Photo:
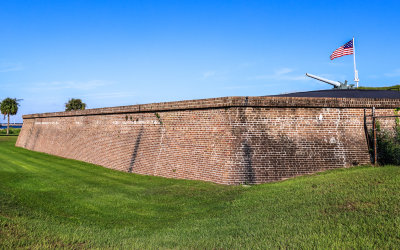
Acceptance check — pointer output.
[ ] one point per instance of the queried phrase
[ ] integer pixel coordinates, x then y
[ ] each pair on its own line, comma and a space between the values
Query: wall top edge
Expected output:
233, 101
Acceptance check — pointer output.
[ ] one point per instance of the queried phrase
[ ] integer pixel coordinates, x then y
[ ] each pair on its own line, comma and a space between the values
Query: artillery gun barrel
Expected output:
335, 84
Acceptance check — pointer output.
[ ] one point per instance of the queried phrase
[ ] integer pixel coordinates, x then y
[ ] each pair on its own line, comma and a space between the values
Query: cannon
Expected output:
335, 84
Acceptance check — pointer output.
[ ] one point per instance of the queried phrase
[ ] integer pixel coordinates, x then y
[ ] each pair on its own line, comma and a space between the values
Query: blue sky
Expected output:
112, 53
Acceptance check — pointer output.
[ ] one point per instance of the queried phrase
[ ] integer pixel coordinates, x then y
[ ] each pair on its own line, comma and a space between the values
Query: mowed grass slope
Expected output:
47, 202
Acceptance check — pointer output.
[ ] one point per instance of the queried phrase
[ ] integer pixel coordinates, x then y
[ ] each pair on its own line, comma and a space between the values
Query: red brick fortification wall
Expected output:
229, 140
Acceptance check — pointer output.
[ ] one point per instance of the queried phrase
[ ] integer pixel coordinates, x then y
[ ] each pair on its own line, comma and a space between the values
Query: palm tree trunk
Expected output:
8, 123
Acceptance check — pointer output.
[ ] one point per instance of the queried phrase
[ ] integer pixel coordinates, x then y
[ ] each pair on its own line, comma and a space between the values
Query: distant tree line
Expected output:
9, 106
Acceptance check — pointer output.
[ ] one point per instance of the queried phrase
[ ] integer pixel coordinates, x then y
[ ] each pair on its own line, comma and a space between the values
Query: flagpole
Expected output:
356, 80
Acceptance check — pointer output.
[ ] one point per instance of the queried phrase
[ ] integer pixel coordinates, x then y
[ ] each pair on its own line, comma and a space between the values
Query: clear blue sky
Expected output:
112, 53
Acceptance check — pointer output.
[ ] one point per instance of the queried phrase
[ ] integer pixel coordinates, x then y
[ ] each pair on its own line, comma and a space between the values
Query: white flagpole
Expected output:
356, 80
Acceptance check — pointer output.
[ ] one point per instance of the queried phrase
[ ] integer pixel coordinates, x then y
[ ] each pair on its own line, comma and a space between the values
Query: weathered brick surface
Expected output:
228, 140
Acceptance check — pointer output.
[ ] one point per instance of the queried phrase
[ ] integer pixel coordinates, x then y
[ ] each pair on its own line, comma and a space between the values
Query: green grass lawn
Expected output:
47, 202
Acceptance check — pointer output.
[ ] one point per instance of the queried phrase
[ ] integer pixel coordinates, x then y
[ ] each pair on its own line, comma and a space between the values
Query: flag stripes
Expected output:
346, 49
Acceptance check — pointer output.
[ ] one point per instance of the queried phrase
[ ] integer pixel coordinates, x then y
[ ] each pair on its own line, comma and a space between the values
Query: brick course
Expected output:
229, 140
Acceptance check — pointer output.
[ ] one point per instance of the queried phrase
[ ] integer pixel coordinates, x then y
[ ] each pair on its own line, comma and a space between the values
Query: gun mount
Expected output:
335, 84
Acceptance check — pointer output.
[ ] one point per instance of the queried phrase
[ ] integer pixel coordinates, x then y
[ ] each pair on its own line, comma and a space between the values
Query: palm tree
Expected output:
75, 104
9, 106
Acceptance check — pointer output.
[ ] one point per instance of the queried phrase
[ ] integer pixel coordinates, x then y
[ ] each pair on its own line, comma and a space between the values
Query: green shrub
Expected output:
388, 144
13, 131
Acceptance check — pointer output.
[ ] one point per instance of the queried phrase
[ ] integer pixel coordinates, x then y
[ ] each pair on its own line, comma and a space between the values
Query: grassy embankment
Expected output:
47, 202
394, 87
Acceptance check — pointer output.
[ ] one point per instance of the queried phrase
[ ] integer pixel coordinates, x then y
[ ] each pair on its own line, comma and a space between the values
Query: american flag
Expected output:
346, 49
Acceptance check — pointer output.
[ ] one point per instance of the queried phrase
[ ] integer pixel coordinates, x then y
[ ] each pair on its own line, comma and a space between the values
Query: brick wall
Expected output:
228, 140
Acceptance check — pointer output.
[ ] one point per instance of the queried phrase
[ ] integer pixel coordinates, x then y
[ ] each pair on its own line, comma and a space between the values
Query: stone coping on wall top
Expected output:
233, 101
